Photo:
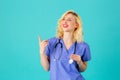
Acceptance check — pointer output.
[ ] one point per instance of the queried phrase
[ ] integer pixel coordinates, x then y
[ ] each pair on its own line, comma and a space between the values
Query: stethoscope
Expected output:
61, 46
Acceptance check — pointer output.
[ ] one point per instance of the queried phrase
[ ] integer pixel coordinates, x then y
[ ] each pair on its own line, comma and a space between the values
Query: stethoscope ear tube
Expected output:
59, 43
75, 48
71, 60
61, 46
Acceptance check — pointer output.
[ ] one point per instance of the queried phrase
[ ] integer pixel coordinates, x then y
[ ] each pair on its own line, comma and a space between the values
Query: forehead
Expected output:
69, 16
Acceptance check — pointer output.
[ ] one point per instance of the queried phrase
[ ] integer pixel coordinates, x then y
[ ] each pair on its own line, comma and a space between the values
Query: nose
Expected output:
65, 21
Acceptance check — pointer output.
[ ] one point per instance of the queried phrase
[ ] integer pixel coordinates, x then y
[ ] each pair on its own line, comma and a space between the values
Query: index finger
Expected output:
39, 39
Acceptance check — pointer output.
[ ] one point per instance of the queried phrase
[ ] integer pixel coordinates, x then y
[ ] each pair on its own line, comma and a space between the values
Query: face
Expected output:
68, 23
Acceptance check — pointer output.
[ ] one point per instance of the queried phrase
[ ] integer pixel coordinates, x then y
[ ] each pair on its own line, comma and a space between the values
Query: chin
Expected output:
66, 30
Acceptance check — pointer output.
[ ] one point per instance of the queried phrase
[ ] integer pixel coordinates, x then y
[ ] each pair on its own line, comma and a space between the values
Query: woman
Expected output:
66, 55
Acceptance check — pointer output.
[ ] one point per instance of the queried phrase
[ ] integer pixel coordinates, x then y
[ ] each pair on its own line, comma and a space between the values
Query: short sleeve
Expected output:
86, 55
50, 46
47, 50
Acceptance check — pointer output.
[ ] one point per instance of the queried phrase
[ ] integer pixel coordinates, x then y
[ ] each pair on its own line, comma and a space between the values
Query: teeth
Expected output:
65, 25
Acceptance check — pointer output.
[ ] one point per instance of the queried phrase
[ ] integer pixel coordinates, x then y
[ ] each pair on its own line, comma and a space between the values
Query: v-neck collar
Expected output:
67, 50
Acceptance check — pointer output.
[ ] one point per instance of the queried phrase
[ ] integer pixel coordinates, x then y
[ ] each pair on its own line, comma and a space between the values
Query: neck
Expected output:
68, 37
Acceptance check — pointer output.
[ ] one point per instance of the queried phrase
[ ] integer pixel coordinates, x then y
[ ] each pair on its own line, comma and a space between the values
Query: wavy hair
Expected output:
78, 33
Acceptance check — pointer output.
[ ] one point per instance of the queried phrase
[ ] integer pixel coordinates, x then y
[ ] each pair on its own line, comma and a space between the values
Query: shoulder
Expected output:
83, 44
52, 41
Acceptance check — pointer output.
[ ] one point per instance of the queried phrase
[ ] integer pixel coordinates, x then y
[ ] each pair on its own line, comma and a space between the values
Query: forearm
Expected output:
44, 61
82, 66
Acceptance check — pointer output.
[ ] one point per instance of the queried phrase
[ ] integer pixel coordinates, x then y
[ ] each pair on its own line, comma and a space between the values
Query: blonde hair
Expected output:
78, 34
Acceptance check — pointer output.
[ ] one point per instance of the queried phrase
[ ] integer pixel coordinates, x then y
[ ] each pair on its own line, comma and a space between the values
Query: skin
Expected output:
44, 59
71, 23
68, 24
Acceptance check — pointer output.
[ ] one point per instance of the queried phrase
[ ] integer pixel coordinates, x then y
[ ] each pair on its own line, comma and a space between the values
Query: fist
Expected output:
42, 45
76, 57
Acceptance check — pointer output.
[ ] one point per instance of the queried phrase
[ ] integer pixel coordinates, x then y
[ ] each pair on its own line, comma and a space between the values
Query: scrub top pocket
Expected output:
69, 67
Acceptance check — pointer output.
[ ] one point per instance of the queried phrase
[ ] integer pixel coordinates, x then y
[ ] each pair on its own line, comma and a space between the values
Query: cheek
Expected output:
72, 24
62, 22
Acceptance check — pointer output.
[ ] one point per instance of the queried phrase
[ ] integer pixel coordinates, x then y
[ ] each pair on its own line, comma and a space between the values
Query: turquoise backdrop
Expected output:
21, 21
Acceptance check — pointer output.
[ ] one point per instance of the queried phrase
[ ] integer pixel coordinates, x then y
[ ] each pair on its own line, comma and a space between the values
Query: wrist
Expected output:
42, 51
80, 63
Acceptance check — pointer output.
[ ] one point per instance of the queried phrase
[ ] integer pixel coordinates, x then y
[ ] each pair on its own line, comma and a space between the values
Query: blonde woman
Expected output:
67, 54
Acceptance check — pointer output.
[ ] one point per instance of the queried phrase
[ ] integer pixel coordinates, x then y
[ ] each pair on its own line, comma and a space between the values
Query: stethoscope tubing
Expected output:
61, 46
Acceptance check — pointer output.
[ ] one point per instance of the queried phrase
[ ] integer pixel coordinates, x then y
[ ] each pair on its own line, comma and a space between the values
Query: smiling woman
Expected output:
22, 20
66, 54
70, 18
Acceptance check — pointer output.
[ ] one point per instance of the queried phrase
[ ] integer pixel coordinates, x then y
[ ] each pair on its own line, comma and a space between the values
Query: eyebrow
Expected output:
68, 18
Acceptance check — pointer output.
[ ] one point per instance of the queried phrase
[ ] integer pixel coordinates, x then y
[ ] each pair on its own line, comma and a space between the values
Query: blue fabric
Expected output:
61, 69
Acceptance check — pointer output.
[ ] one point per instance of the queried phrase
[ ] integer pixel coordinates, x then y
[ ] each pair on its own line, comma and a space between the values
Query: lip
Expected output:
65, 25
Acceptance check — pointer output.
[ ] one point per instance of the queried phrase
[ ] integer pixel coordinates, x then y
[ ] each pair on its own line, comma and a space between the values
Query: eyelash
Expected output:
67, 19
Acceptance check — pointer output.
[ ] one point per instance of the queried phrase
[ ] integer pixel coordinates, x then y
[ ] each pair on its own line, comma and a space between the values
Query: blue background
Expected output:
21, 21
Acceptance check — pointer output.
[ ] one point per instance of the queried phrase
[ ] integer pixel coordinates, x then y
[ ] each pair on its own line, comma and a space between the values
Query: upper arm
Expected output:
86, 53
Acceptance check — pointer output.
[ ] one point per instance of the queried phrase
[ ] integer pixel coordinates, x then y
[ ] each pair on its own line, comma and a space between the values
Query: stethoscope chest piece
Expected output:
70, 61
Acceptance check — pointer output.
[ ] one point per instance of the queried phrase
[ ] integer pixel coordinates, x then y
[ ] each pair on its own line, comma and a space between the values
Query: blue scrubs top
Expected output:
61, 69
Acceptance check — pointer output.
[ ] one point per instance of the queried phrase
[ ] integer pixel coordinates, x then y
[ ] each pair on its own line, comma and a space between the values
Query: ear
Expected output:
76, 25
